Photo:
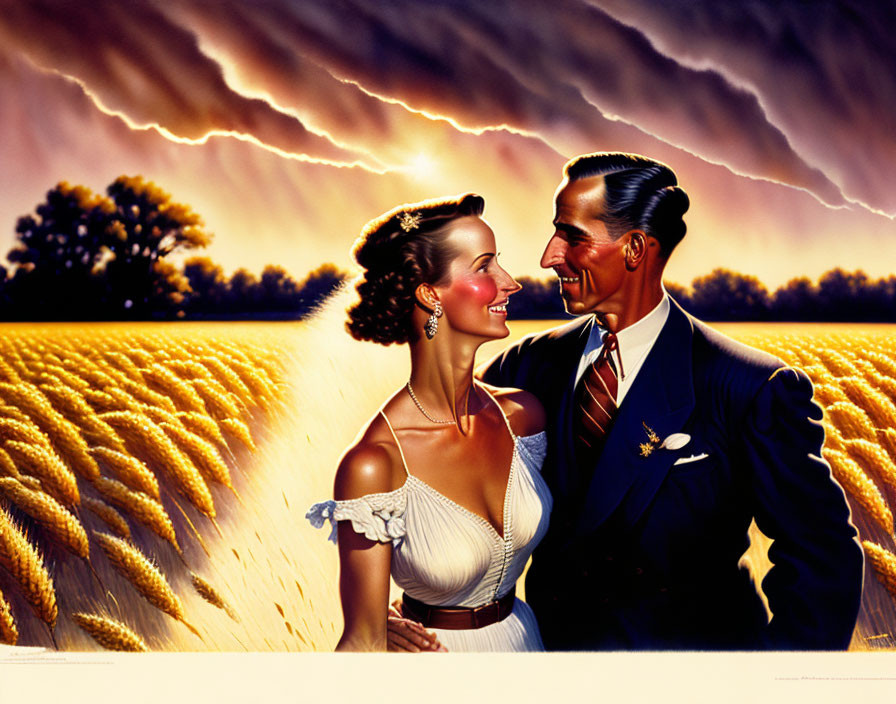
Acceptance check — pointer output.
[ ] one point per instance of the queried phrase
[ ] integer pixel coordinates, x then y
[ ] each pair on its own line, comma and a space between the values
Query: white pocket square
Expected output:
692, 458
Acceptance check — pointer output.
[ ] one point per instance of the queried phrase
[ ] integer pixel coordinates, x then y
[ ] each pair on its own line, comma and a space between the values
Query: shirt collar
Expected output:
637, 338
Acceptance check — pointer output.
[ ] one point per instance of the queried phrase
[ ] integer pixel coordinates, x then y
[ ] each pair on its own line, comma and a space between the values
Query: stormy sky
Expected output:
289, 124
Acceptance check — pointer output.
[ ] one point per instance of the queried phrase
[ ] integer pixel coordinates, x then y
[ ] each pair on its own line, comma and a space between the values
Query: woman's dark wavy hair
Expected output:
640, 194
397, 258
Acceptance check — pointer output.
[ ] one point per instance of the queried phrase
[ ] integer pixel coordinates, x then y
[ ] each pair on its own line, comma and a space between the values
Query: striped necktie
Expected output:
596, 403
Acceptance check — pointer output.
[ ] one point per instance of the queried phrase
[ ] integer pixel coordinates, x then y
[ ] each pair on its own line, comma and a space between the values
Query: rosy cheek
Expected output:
482, 289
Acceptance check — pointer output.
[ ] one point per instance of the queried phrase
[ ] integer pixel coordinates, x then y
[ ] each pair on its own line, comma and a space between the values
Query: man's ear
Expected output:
426, 297
635, 248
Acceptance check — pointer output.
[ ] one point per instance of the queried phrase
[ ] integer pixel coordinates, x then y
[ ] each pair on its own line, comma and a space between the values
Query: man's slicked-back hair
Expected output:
639, 194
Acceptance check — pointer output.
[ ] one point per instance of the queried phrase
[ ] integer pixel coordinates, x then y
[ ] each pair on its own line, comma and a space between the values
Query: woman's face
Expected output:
475, 299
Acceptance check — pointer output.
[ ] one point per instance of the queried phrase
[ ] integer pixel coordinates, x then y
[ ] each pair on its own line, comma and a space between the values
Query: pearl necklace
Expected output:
420, 406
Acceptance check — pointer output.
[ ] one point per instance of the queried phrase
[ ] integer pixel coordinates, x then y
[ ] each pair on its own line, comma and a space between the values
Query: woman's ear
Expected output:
426, 297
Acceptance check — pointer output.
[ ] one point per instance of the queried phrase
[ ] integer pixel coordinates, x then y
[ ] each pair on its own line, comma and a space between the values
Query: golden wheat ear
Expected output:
109, 633
211, 595
9, 634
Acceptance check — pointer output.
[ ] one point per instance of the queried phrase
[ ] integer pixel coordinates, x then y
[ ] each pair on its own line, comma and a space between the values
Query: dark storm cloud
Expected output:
824, 71
565, 70
137, 62
543, 67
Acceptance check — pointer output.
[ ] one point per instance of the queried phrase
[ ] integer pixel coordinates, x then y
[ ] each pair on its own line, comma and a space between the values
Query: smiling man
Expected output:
666, 439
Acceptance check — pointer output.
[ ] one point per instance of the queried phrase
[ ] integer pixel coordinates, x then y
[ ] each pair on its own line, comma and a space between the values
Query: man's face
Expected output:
589, 262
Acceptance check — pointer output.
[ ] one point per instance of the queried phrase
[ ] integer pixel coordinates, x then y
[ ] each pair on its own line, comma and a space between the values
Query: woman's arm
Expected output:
364, 564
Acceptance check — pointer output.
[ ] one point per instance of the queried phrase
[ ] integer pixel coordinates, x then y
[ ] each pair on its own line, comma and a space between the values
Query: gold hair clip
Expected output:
410, 221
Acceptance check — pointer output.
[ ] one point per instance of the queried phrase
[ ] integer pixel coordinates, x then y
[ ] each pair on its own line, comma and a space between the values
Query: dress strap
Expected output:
503, 414
398, 444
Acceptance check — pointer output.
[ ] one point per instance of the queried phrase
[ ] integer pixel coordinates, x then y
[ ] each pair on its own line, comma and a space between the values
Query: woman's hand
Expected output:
406, 636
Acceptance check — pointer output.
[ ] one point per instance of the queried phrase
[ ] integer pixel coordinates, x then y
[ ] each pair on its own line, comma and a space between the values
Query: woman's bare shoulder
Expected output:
523, 410
372, 465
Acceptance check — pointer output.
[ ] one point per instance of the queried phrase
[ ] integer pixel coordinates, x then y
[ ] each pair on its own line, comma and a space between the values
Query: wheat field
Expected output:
154, 477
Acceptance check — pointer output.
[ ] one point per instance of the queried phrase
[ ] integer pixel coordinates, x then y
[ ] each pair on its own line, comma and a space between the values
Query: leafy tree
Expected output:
319, 284
208, 287
59, 252
83, 255
727, 295
796, 300
148, 227
680, 293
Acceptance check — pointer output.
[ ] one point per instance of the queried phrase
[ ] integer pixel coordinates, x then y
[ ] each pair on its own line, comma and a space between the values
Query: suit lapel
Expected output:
662, 397
564, 467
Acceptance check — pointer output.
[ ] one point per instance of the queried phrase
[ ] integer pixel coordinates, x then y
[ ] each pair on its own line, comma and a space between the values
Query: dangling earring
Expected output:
432, 322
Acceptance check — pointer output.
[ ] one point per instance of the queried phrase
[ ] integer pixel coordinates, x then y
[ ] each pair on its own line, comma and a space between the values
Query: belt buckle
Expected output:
482, 613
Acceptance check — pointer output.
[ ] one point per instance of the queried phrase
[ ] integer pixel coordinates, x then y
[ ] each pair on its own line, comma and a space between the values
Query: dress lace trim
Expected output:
378, 517
535, 447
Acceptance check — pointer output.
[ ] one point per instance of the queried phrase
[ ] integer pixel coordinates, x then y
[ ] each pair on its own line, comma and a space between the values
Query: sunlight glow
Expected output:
422, 166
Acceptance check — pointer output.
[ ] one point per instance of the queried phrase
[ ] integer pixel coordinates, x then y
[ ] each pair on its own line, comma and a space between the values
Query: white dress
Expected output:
446, 555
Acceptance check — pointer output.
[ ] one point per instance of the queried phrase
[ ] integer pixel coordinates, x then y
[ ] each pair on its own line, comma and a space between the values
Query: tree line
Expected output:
88, 256
727, 296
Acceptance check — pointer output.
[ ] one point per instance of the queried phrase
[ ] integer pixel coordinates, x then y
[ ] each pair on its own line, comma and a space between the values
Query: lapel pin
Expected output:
653, 441
675, 441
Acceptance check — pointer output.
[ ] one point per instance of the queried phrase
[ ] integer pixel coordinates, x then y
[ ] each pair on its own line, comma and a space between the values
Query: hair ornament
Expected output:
410, 221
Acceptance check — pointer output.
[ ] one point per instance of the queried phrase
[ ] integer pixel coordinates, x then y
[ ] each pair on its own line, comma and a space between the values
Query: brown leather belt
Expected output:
458, 617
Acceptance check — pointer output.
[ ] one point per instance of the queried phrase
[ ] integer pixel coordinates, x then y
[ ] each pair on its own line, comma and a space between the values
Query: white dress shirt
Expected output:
635, 342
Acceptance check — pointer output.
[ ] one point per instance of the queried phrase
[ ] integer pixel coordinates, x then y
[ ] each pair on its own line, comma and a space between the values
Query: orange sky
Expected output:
289, 125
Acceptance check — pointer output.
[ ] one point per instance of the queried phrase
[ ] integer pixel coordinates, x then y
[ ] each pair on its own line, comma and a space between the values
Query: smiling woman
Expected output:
455, 533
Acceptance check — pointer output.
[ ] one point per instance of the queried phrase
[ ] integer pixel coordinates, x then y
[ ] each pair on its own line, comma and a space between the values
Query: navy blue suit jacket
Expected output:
644, 554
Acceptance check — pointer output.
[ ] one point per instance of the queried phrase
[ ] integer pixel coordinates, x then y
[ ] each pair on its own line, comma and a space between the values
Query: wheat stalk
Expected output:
128, 470
832, 437
141, 507
102, 402
828, 394
188, 369
201, 452
124, 364
9, 634
229, 379
884, 563
887, 437
882, 363
143, 437
211, 595
873, 458
864, 490
143, 575
8, 374
22, 431
240, 430
203, 426
179, 391
109, 516
61, 374
14, 413
46, 466
43, 508
879, 408
217, 401
24, 563
836, 362
146, 395
851, 421
109, 633
7, 466
62, 433
72, 405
